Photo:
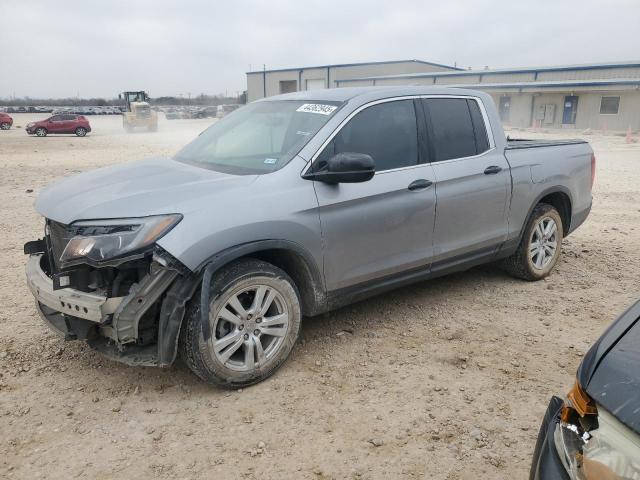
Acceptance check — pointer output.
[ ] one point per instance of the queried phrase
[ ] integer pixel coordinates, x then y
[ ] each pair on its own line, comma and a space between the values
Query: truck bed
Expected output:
516, 143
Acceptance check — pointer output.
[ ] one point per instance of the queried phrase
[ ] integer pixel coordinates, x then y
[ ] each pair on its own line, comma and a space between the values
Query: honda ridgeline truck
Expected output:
292, 206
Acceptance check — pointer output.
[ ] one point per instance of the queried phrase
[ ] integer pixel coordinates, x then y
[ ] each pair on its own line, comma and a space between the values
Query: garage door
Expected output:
315, 84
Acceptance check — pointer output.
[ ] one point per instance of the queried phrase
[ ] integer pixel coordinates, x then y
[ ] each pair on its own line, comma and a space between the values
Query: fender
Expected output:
510, 246
218, 260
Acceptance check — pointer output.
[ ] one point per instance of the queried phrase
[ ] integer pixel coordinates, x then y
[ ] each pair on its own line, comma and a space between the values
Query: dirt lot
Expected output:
447, 379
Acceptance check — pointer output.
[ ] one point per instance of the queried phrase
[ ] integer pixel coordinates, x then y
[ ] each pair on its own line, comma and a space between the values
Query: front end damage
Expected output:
128, 306
580, 440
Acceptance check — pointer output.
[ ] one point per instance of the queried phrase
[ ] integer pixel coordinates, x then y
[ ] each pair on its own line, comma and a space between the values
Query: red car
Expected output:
62, 123
5, 121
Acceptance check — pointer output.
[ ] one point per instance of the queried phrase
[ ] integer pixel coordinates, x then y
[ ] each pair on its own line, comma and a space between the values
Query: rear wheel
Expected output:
81, 131
254, 320
539, 248
41, 132
5, 126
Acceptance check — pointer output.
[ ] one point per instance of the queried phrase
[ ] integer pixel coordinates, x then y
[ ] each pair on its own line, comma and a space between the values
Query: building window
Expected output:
609, 105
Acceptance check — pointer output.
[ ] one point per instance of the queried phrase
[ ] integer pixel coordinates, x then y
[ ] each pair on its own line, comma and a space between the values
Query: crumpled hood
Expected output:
136, 189
610, 372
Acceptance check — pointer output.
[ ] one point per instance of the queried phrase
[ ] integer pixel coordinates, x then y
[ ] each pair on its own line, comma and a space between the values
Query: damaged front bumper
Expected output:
139, 328
85, 305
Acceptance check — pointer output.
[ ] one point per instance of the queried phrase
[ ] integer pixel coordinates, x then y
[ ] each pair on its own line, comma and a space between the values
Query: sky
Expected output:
97, 48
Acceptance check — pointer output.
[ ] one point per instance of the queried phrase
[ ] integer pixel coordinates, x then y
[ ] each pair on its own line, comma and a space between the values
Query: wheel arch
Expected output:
558, 197
293, 259
289, 256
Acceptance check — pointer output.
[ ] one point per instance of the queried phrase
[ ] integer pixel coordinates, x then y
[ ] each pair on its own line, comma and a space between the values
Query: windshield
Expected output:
258, 138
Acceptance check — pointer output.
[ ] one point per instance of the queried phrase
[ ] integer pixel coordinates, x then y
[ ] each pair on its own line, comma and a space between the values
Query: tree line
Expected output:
201, 99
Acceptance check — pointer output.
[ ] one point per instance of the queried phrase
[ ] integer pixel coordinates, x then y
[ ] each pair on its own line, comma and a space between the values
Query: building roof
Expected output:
552, 84
356, 65
554, 68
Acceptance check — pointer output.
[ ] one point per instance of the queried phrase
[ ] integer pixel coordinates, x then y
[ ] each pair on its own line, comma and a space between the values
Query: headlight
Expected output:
607, 451
29, 125
613, 451
100, 240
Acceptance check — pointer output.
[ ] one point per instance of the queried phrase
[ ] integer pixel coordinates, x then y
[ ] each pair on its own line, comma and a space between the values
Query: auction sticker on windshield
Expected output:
316, 108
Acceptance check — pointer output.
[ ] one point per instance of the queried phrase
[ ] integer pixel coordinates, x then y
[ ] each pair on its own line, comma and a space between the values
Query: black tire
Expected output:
41, 132
5, 126
81, 131
520, 264
228, 283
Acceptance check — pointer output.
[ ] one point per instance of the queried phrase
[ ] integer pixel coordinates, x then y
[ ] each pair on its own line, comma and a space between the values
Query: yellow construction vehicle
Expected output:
138, 113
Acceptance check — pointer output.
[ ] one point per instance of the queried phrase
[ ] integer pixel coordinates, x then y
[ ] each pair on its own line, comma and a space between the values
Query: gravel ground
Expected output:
446, 379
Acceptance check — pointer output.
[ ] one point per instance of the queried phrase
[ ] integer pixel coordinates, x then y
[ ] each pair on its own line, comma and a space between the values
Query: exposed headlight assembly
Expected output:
96, 241
609, 451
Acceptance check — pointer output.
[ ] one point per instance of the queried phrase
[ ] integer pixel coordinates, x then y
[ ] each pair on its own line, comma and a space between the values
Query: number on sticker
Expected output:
317, 108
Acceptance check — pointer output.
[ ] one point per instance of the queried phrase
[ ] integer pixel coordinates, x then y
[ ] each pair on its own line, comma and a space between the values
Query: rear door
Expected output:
68, 124
383, 226
473, 180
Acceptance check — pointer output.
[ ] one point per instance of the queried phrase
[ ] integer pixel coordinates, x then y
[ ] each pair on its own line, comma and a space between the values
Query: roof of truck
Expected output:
372, 93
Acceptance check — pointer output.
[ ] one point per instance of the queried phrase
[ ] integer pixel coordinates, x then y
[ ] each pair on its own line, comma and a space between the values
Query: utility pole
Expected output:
264, 80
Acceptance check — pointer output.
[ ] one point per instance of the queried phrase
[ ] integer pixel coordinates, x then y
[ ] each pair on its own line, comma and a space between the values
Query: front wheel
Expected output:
5, 126
254, 320
539, 248
81, 131
41, 132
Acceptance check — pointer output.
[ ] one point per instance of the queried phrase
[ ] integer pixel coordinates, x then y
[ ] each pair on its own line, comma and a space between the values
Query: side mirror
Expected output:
346, 167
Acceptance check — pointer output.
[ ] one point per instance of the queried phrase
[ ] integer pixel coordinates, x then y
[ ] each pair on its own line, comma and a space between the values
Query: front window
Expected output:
259, 138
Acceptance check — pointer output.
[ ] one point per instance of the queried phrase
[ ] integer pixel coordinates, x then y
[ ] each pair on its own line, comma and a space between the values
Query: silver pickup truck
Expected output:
295, 205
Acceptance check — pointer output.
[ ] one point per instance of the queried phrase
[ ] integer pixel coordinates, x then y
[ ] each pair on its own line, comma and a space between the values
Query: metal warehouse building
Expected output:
603, 96
265, 83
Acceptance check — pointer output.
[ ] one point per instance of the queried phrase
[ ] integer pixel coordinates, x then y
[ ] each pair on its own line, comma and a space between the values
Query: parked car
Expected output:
5, 121
206, 112
63, 123
172, 115
594, 433
295, 205
223, 110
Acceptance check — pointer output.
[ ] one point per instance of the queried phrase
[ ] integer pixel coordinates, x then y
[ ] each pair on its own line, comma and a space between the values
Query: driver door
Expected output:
383, 226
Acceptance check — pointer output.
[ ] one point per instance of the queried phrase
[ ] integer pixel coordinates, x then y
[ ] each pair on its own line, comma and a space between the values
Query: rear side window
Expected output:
453, 132
479, 128
386, 131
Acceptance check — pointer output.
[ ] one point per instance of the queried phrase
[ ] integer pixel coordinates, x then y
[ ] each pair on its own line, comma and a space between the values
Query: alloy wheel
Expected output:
544, 243
249, 328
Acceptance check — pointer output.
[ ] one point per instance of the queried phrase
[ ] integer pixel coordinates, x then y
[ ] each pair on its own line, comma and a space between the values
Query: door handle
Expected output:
420, 184
492, 170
